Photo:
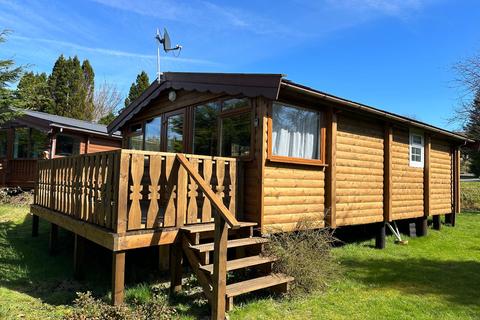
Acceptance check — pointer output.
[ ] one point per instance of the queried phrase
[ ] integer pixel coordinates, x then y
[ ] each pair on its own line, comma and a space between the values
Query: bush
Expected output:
15, 196
470, 196
305, 255
86, 307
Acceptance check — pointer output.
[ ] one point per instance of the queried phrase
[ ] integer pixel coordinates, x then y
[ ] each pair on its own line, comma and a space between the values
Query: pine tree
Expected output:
136, 89
89, 87
33, 92
9, 74
71, 88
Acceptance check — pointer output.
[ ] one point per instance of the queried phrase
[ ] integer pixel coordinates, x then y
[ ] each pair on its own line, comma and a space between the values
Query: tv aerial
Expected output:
167, 47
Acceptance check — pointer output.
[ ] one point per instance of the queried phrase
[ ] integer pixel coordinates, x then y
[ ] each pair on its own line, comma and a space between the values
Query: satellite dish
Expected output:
167, 46
166, 41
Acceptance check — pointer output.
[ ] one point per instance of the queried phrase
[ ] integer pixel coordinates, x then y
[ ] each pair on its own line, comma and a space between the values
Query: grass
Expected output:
471, 195
434, 277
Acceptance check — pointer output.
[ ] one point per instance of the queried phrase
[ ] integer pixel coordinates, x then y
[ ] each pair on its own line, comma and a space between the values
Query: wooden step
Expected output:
242, 287
230, 244
241, 263
206, 227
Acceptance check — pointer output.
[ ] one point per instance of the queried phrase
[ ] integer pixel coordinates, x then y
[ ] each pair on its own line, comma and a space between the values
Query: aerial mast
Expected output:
166, 44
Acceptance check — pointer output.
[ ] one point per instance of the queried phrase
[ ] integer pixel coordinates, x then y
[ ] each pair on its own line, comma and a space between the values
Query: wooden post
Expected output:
163, 257
456, 207
422, 226
387, 174
380, 238
53, 240
118, 277
175, 268
120, 225
330, 179
219, 279
78, 257
35, 221
437, 222
426, 177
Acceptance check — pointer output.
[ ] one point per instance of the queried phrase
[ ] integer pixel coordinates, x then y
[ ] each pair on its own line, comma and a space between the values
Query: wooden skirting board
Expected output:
103, 236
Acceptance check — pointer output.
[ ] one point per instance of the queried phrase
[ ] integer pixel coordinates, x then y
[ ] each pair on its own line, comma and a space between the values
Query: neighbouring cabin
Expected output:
213, 162
34, 135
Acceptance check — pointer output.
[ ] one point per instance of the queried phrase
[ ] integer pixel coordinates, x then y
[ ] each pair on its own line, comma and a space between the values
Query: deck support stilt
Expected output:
422, 226
380, 236
437, 222
53, 239
78, 257
35, 221
176, 255
118, 277
163, 257
450, 219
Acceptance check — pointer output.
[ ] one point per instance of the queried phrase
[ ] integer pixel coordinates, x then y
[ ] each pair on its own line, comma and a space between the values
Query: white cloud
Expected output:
110, 52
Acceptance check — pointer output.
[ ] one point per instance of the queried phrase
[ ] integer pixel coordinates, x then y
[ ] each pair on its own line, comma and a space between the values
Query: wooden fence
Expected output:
126, 190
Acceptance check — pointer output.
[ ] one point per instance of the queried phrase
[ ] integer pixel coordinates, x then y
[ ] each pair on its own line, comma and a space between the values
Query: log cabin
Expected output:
211, 163
32, 135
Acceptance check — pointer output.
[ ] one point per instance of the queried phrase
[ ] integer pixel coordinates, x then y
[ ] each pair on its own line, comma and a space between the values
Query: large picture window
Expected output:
153, 129
3, 143
29, 143
67, 145
135, 137
236, 135
205, 131
295, 133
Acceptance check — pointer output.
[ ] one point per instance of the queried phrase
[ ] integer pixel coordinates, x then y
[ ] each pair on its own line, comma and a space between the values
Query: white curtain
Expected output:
295, 132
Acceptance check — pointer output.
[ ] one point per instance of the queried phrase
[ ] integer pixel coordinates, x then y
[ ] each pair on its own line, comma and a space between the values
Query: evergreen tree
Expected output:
89, 86
70, 87
33, 92
107, 119
9, 74
137, 88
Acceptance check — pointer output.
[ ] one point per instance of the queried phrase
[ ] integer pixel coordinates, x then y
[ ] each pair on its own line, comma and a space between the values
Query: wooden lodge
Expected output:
34, 135
213, 162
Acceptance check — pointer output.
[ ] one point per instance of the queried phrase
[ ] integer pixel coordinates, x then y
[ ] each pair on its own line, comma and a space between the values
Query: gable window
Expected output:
3, 143
416, 150
135, 137
295, 134
67, 145
153, 129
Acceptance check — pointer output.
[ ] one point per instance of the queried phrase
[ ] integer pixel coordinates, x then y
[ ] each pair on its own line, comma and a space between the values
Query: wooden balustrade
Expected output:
125, 190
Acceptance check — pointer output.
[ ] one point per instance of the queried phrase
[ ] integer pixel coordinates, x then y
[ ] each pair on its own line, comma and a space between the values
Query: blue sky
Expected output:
396, 55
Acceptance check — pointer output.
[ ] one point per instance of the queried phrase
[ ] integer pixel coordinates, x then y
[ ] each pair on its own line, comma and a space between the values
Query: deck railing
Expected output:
125, 190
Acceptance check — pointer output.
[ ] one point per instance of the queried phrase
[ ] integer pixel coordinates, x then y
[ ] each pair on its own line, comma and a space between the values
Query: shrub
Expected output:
86, 307
470, 196
305, 255
15, 196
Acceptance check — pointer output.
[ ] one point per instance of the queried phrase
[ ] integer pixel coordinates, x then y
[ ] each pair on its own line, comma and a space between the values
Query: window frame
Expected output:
29, 144
421, 146
294, 160
135, 134
75, 138
5, 131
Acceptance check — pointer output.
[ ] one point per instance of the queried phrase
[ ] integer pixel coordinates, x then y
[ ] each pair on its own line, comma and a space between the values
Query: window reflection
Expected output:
175, 133
205, 139
152, 134
29, 143
235, 103
67, 145
3, 143
236, 133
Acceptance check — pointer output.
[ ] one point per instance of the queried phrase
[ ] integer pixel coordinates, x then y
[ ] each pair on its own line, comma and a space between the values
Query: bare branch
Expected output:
106, 100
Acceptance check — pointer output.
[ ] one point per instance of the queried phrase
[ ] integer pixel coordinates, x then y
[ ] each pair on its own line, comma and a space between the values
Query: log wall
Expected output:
407, 181
359, 171
293, 194
441, 178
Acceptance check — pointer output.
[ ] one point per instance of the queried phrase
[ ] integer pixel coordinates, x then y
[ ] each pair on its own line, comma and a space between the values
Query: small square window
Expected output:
416, 150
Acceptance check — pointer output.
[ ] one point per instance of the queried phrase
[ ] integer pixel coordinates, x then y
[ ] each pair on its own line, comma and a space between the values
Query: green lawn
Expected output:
435, 277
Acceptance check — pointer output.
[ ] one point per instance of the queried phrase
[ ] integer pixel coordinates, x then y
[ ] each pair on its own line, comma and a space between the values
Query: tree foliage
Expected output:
106, 101
9, 74
468, 78
136, 89
33, 92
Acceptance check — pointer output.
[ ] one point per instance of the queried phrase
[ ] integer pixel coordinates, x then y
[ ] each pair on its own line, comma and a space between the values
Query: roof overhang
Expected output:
249, 85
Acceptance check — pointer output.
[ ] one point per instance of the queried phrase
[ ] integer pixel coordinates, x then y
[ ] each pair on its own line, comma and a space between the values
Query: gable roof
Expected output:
254, 85
46, 121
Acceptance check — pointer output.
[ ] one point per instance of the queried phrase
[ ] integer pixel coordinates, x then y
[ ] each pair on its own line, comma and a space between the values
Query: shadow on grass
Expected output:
455, 281
26, 266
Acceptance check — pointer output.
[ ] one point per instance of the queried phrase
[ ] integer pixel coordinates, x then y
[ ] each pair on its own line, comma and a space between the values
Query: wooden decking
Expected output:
128, 199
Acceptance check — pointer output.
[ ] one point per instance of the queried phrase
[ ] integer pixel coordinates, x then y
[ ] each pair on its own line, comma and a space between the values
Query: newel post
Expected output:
219, 269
